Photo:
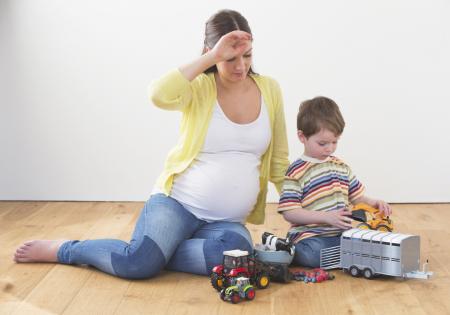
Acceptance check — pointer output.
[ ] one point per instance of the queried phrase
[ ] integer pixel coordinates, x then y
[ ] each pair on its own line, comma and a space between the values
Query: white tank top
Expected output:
222, 183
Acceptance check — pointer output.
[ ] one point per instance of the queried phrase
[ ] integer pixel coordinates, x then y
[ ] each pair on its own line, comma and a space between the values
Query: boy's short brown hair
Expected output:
317, 113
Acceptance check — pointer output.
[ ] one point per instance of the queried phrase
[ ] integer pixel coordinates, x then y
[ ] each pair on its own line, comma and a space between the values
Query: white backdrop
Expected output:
75, 122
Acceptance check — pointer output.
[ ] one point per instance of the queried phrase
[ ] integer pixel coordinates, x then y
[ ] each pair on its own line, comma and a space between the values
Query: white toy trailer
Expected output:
370, 253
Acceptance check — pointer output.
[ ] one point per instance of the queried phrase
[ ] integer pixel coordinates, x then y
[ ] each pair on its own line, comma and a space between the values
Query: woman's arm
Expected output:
173, 90
191, 70
170, 92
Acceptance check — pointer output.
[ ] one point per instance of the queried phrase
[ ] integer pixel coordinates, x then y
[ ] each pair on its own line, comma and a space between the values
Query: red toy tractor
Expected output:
238, 263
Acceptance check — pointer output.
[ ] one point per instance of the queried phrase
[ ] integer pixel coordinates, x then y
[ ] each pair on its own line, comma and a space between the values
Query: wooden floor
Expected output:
60, 289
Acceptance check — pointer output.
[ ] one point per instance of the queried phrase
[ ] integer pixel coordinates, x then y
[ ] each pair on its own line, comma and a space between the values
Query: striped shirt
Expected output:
316, 185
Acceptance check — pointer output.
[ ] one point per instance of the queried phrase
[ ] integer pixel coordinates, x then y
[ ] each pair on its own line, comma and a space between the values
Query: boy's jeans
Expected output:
166, 236
307, 251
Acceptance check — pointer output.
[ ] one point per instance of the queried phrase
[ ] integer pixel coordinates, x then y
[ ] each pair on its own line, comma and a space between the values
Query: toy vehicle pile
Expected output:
312, 276
238, 263
240, 272
370, 250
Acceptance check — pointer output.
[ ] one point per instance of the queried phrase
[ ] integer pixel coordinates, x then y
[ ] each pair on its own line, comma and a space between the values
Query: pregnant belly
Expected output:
226, 183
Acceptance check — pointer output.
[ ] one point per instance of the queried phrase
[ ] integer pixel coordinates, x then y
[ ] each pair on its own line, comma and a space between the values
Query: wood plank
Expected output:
23, 277
55, 224
70, 225
101, 294
55, 291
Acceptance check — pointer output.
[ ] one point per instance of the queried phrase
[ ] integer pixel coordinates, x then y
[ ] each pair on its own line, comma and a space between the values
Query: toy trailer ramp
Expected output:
330, 258
373, 252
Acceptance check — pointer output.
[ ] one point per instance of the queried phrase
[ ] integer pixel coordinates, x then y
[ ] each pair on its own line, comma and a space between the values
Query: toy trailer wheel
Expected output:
235, 298
262, 281
367, 273
216, 281
354, 271
250, 294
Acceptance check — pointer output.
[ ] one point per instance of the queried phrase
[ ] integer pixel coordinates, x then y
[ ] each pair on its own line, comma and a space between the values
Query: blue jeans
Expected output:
307, 251
166, 236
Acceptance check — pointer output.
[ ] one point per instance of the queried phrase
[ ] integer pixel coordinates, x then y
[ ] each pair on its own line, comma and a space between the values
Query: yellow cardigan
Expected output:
196, 100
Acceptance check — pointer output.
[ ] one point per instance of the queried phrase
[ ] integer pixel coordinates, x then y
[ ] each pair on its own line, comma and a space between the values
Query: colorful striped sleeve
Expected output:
291, 195
356, 188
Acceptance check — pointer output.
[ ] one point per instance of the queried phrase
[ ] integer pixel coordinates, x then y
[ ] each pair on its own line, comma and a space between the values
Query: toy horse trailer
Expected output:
370, 253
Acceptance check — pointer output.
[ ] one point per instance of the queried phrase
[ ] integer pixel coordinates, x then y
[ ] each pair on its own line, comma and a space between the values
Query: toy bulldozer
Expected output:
371, 218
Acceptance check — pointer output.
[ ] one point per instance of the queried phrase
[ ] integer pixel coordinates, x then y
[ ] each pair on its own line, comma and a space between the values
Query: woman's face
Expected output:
235, 69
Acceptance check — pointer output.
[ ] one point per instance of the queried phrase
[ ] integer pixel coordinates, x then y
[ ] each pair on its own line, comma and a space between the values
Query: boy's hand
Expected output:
339, 218
383, 206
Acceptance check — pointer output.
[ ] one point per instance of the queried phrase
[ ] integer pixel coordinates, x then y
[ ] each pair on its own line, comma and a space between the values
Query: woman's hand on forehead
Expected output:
231, 45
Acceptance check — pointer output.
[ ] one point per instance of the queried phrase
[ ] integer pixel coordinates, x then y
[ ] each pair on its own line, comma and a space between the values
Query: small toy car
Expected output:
313, 276
240, 289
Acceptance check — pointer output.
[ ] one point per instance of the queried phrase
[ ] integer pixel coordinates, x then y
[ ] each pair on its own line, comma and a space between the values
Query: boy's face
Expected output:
320, 145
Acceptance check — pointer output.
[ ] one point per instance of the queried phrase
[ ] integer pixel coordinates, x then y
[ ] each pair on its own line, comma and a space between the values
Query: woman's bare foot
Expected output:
38, 251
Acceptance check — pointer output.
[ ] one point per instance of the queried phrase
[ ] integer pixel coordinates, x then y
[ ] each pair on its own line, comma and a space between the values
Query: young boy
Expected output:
319, 188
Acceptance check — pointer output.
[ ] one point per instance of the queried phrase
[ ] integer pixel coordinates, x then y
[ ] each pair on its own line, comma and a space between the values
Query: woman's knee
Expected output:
228, 240
228, 233
233, 240
146, 261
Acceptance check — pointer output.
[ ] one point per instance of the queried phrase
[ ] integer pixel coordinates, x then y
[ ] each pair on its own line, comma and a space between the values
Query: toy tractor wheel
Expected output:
222, 294
235, 298
367, 273
250, 294
262, 281
363, 226
216, 281
354, 271
383, 228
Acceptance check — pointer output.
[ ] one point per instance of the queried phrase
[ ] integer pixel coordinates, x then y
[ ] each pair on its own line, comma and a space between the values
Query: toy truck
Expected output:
239, 289
371, 218
238, 263
370, 253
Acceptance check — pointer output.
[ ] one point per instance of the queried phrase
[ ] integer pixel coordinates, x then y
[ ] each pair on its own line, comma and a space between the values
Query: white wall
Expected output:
75, 123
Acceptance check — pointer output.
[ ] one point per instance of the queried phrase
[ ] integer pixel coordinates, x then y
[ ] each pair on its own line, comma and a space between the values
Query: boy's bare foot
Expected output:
38, 251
